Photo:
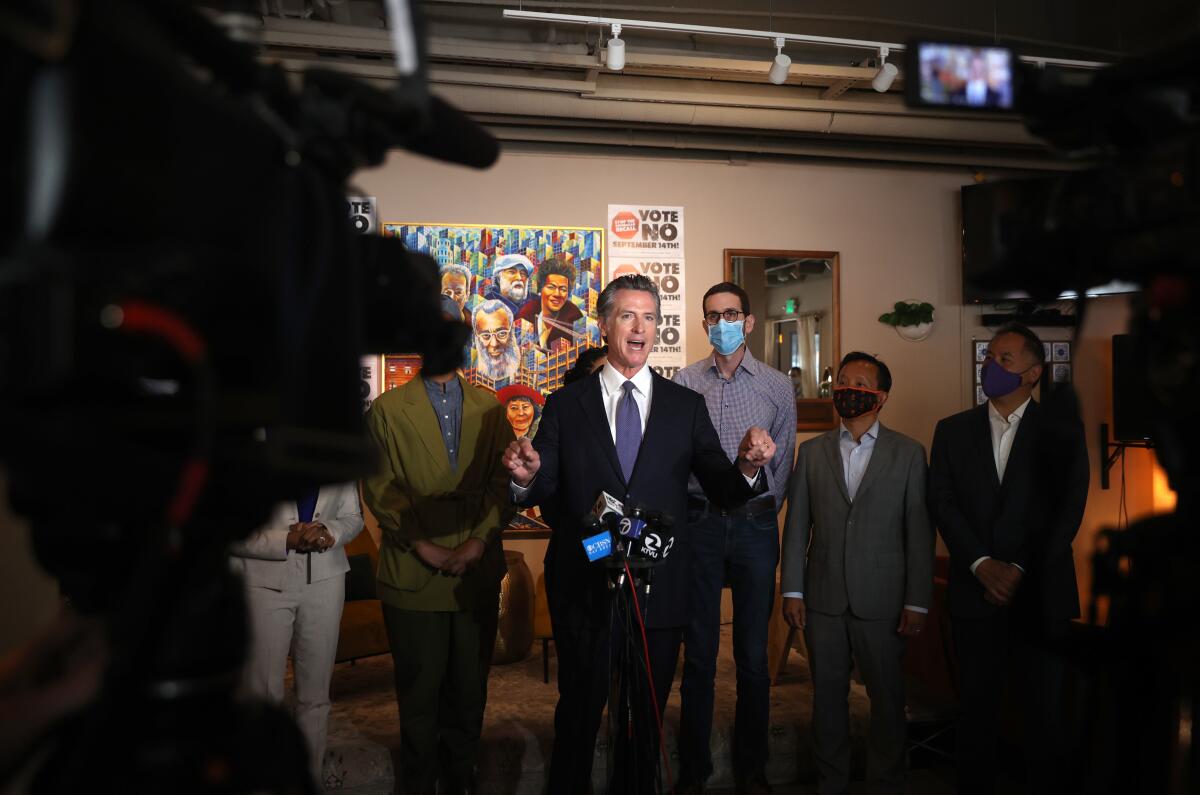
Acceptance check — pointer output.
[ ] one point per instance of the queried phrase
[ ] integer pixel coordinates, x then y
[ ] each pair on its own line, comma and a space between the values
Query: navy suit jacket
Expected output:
1030, 519
579, 460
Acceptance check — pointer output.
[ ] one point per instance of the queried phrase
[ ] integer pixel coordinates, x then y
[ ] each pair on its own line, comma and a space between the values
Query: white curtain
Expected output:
807, 336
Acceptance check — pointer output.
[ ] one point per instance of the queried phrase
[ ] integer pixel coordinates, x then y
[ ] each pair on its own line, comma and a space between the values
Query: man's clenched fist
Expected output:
522, 461
756, 449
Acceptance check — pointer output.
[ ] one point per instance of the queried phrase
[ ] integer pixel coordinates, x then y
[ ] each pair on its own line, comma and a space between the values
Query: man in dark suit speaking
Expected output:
1007, 487
629, 432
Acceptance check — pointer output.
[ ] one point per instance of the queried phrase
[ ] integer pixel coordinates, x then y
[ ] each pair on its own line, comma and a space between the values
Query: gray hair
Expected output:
608, 297
491, 307
458, 270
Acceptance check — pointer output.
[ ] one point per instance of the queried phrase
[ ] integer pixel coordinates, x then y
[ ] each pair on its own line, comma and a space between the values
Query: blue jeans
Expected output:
741, 551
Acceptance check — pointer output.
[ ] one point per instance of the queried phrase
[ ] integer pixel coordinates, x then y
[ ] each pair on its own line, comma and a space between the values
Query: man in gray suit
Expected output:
866, 580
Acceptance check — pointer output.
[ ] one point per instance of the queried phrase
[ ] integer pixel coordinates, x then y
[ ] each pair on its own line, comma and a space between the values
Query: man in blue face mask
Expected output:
1007, 487
740, 547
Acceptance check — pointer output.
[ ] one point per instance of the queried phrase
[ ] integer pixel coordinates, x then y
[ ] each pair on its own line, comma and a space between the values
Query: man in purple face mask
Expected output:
1007, 489
858, 572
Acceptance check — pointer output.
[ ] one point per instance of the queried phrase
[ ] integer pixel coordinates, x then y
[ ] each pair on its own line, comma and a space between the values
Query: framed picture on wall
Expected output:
1061, 373
978, 355
529, 294
399, 369
1060, 351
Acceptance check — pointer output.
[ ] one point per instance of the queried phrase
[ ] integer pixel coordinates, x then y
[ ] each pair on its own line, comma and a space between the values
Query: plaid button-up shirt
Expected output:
757, 395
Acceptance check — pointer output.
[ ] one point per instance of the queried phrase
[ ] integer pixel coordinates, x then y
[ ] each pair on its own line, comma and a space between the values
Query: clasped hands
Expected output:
999, 580
454, 562
309, 537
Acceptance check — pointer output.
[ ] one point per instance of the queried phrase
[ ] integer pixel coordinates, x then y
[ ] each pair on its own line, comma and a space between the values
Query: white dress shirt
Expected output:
1004, 430
856, 456
611, 393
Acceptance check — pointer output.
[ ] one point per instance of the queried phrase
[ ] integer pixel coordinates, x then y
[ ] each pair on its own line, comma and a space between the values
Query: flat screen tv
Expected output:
1005, 222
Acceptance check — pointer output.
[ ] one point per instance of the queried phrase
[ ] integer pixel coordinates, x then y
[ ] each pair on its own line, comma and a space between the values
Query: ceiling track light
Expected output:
780, 66
615, 53
886, 75
743, 33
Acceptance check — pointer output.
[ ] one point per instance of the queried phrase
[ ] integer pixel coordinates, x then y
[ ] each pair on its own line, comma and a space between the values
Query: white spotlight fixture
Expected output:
886, 75
615, 59
780, 66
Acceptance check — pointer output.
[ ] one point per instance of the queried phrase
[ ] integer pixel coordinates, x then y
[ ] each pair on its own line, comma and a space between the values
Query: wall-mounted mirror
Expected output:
794, 295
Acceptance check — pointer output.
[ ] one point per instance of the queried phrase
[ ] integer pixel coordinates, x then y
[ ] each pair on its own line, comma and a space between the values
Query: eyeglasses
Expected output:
501, 335
730, 315
561, 289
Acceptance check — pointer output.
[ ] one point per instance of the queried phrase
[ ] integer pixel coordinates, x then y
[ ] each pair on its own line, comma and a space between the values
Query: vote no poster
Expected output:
648, 240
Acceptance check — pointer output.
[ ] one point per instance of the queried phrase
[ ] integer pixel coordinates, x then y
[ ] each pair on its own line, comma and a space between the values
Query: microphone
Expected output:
607, 504
656, 540
633, 525
654, 546
597, 541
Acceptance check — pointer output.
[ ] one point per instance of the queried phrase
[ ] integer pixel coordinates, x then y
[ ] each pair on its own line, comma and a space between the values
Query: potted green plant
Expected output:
913, 320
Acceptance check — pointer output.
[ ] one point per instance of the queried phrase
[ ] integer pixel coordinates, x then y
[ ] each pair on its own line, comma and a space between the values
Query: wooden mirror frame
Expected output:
812, 414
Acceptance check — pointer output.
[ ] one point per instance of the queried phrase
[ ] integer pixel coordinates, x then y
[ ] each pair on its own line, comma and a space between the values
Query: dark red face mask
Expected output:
853, 401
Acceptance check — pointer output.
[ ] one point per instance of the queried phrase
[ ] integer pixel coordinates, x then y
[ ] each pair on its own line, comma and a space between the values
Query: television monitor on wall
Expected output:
1005, 221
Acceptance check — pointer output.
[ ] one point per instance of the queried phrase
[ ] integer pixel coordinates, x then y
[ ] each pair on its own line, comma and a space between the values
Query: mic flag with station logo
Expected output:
605, 518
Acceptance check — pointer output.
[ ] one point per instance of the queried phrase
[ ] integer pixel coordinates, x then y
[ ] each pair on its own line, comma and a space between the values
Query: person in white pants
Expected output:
294, 569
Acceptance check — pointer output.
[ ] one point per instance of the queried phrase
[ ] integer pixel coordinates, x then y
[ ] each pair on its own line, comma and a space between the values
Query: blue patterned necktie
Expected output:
629, 430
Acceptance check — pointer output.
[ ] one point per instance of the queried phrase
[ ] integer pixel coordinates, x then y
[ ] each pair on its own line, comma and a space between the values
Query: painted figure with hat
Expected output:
523, 408
510, 281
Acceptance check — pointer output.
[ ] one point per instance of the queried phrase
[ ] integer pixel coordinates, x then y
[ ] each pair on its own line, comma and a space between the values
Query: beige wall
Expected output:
897, 230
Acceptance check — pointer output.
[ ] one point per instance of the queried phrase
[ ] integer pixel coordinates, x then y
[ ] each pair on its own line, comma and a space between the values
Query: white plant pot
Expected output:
914, 333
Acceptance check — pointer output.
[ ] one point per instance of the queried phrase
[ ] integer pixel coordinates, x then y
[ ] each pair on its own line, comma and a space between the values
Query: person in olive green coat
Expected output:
441, 498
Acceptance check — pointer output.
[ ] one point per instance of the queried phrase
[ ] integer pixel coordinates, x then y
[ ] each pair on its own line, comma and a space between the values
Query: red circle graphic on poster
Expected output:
624, 269
624, 225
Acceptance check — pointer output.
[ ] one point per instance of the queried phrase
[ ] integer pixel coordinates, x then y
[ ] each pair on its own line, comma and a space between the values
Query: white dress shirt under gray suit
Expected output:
859, 558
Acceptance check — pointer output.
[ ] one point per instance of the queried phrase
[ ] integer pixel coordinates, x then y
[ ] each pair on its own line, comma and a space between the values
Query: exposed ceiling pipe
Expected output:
741, 148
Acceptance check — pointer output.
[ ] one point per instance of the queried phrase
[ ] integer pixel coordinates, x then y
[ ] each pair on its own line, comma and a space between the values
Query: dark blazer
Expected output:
579, 460
873, 555
1030, 519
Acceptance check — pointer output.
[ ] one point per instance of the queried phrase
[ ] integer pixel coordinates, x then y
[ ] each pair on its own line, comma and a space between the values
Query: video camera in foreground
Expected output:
184, 305
1127, 209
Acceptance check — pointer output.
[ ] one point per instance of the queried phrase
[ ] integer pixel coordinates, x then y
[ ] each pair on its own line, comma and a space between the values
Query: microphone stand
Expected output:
633, 719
